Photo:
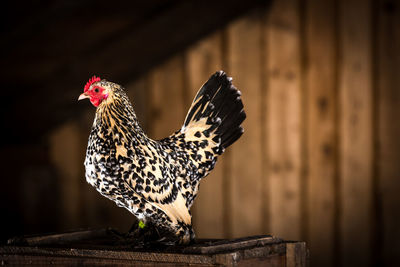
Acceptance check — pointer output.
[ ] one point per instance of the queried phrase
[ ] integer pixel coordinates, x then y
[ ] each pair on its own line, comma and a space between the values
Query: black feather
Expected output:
219, 101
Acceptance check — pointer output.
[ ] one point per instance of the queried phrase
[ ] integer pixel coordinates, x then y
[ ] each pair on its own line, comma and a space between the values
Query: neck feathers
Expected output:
117, 114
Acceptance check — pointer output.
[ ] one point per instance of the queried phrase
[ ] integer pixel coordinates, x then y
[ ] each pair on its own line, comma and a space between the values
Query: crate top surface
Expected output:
108, 247
111, 240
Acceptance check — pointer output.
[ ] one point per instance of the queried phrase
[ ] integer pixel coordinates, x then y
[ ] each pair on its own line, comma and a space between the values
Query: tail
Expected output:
217, 112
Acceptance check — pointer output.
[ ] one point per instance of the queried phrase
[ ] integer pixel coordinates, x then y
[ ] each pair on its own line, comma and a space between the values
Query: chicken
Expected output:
157, 181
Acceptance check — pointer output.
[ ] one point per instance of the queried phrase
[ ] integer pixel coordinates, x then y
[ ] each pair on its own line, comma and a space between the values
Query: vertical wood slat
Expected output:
355, 131
166, 93
284, 119
64, 146
320, 81
139, 97
243, 61
202, 61
388, 108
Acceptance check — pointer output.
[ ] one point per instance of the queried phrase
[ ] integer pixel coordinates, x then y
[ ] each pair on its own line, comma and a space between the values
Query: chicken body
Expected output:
157, 181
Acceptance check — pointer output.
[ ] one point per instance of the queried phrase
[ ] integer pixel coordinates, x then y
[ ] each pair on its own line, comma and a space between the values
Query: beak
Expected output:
83, 96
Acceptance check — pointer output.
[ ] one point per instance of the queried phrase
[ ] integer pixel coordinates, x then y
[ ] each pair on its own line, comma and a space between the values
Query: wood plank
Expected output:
225, 245
202, 60
246, 166
355, 131
20, 254
166, 93
34, 260
64, 146
296, 254
138, 94
284, 113
320, 84
388, 156
58, 239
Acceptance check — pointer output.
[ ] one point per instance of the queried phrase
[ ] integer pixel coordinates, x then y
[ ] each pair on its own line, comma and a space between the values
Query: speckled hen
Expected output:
157, 181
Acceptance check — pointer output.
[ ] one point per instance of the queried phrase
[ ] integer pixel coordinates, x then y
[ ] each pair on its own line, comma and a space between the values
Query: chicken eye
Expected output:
96, 90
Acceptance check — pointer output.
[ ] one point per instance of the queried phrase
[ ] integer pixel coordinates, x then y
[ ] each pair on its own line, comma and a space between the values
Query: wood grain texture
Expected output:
138, 93
320, 83
246, 165
65, 145
355, 132
296, 254
283, 119
89, 251
166, 98
202, 60
388, 103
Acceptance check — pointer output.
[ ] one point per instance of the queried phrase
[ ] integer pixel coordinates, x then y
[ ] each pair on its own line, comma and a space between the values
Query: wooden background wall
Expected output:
320, 157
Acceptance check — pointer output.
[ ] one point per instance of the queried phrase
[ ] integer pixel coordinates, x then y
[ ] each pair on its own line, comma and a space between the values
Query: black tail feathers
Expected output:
219, 101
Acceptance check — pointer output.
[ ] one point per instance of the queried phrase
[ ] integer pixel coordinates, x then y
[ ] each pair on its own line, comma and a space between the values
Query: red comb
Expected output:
91, 81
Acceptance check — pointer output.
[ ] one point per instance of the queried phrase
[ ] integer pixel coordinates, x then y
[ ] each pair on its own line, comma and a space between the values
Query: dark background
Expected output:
319, 160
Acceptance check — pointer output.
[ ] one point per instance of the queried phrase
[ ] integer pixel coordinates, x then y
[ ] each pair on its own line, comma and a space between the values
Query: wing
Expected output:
152, 177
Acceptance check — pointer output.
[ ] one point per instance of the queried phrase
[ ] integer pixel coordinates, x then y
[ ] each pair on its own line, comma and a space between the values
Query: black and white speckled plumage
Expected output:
159, 180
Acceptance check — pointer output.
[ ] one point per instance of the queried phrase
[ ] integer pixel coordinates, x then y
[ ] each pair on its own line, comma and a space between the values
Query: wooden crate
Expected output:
99, 248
